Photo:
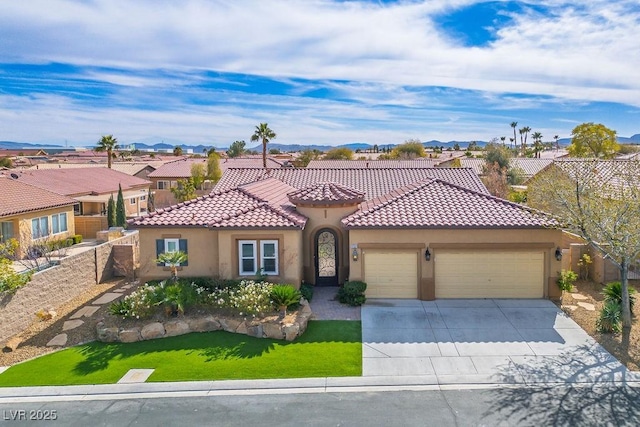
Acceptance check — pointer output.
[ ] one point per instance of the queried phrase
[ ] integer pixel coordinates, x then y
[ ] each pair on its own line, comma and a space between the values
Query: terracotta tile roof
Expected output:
372, 182
326, 193
372, 164
616, 173
530, 167
251, 206
18, 197
433, 203
130, 168
182, 168
80, 181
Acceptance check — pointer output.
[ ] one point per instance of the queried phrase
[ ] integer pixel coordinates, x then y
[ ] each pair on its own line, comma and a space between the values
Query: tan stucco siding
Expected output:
546, 240
289, 253
202, 251
22, 225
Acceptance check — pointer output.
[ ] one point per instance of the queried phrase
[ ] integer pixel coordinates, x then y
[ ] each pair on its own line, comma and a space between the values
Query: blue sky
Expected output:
318, 71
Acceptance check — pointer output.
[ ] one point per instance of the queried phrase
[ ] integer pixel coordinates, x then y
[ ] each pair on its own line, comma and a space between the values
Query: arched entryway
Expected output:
326, 257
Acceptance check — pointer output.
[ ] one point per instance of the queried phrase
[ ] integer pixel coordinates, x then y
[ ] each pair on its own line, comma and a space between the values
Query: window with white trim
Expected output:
269, 257
39, 227
247, 257
171, 245
59, 223
252, 262
132, 201
163, 185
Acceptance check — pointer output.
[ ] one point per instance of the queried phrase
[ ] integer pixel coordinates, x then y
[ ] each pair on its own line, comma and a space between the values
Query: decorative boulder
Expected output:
130, 335
204, 324
176, 327
152, 331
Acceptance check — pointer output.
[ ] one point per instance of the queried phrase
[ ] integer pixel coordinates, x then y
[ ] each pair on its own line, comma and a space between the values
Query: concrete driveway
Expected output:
481, 341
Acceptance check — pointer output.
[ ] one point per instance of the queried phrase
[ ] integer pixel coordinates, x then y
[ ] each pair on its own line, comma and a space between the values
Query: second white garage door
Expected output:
391, 274
489, 274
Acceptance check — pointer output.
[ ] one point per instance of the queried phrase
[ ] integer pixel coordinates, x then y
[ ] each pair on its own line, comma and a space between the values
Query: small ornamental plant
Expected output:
566, 279
283, 296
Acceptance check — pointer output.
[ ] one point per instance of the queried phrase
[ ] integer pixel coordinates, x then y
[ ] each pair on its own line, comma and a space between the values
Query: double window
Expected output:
258, 256
59, 223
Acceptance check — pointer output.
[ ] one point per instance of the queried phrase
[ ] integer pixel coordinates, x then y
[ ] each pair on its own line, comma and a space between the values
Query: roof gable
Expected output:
19, 197
326, 193
433, 203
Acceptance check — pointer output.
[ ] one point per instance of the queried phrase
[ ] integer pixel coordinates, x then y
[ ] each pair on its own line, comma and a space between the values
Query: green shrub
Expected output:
10, 281
352, 293
566, 279
77, 238
613, 292
120, 307
307, 291
284, 296
609, 320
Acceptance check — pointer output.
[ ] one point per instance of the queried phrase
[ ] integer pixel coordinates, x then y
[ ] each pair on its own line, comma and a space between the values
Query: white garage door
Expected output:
391, 274
489, 274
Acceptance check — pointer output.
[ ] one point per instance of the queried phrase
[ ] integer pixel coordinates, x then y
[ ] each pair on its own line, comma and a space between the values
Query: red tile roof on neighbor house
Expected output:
372, 182
18, 198
433, 203
80, 181
254, 206
181, 169
326, 193
373, 164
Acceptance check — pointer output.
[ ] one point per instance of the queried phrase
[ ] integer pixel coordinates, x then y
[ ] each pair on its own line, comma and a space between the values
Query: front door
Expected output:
326, 258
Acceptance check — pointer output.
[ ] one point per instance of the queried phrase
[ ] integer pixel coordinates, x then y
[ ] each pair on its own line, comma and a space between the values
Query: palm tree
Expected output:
537, 143
264, 134
514, 125
526, 130
502, 138
556, 138
107, 143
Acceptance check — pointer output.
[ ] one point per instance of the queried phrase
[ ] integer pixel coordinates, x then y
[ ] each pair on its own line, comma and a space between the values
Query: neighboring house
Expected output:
409, 233
139, 169
372, 164
529, 166
91, 188
28, 213
166, 176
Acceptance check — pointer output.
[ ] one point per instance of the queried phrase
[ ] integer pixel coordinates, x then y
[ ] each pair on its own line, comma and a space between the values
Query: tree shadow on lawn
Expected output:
575, 388
211, 346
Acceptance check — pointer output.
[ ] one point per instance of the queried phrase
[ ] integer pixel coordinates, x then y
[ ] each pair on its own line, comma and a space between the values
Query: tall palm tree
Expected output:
107, 143
502, 138
514, 125
264, 134
537, 143
556, 138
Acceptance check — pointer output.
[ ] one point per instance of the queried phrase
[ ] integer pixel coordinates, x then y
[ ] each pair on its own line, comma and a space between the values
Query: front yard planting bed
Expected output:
327, 349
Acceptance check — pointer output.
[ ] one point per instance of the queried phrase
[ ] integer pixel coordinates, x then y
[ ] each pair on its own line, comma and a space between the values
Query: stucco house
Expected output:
91, 189
409, 233
29, 213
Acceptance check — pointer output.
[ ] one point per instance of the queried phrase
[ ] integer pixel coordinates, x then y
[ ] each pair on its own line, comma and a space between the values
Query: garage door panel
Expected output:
489, 274
391, 274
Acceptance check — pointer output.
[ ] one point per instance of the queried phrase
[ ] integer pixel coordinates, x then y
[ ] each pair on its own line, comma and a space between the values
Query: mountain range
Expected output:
149, 144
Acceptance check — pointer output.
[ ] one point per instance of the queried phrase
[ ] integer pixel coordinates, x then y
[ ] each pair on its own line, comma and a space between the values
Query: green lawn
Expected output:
327, 349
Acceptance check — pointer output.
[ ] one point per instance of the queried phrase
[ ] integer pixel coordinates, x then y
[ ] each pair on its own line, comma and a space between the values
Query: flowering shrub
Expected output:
250, 298
142, 303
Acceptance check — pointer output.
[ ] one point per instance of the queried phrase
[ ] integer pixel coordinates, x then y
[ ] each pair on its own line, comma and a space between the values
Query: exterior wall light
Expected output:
354, 254
427, 255
559, 253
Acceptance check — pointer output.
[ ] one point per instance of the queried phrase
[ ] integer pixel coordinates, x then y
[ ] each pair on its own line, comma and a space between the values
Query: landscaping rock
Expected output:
291, 331
255, 330
72, 324
11, 344
152, 331
176, 327
130, 335
273, 331
230, 325
107, 334
204, 324
58, 341
242, 328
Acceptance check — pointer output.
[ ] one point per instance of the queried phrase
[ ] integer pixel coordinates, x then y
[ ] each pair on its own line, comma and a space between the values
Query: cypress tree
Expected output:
111, 212
121, 216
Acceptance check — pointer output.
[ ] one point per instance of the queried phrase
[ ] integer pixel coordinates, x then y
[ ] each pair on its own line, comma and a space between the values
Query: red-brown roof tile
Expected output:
372, 182
373, 164
235, 208
18, 197
437, 204
181, 169
326, 193
80, 181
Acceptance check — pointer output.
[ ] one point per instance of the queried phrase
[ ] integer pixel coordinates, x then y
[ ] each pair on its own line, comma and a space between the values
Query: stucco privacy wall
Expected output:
482, 239
55, 286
